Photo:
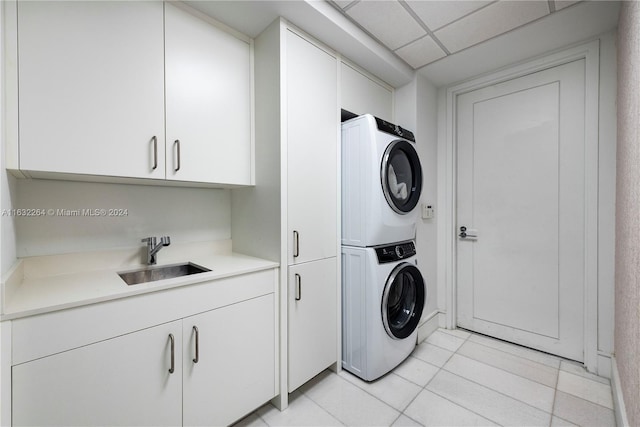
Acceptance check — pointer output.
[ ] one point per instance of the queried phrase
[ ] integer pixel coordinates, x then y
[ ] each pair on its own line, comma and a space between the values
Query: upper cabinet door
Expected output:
91, 84
360, 94
312, 144
208, 101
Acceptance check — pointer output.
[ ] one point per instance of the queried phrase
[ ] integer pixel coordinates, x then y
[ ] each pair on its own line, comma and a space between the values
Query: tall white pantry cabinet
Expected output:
296, 199
311, 207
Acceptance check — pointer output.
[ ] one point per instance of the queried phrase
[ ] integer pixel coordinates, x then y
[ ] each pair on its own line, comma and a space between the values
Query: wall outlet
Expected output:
427, 211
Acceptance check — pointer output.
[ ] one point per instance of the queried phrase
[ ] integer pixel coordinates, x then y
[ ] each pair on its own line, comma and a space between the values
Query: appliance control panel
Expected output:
387, 127
395, 252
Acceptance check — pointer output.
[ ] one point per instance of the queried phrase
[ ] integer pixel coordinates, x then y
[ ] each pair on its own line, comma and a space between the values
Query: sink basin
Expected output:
151, 274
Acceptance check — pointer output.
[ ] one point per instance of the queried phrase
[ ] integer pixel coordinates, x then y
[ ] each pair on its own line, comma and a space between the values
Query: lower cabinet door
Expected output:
313, 288
229, 362
122, 381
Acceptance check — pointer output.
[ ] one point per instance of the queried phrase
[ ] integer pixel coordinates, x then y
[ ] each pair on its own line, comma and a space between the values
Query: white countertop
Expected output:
39, 285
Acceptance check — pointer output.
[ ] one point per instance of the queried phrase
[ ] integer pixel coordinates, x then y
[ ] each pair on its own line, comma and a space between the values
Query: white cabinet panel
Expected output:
122, 381
208, 96
361, 95
312, 138
91, 85
235, 369
312, 319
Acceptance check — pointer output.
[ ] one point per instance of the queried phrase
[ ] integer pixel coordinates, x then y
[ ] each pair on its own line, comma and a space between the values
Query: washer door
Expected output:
401, 176
403, 300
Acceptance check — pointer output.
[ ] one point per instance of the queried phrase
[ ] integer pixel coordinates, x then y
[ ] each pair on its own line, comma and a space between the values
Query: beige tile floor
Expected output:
454, 378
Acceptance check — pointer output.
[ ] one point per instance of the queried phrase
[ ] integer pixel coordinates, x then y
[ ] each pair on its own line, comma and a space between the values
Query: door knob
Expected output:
466, 233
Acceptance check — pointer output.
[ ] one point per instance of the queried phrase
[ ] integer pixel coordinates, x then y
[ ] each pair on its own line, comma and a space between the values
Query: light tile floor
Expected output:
453, 378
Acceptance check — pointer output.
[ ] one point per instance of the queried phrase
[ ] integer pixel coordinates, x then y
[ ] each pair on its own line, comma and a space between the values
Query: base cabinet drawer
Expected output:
209, 369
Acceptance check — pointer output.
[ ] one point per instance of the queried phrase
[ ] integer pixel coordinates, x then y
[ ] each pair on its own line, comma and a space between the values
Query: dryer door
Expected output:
403, 300
401, 176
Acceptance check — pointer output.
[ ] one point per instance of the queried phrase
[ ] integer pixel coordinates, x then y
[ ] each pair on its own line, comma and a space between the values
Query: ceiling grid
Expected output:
423, 32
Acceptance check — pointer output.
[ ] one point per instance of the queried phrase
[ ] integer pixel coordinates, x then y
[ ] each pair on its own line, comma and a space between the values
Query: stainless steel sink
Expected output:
151, 274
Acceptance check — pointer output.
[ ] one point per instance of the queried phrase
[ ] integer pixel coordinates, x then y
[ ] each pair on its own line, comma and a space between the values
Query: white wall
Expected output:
7, 182
416, 110
184, 214
7, 250
256, 224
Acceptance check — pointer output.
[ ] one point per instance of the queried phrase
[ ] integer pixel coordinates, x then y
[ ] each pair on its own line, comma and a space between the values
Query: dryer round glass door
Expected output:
401, 176
403, 300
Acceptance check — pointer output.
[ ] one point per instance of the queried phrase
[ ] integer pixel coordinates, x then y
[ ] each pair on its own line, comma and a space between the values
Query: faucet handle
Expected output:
149, 241
165, 240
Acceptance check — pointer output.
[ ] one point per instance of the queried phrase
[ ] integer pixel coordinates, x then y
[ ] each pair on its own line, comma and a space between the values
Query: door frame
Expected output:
447, 182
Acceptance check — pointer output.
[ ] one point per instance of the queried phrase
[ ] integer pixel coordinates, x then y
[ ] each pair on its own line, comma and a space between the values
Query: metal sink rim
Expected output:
150, 269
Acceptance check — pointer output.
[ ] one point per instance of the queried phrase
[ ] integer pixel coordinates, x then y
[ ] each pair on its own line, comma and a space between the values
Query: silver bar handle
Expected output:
195, 329
296, 244
173, 354
466, 233
298, 287
177, 145
155, 152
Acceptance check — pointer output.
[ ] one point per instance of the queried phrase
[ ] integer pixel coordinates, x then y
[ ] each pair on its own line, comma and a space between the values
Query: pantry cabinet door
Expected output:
312, 144
123, 381
232, 371
91, 88
313, 317
208, 101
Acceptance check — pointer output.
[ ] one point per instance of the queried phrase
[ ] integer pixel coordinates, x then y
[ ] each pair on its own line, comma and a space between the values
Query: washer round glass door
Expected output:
403, 300
401, 176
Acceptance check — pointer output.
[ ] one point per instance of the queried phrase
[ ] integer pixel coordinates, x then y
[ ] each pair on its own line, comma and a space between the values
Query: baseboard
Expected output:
429, 324
604, 364
618, 398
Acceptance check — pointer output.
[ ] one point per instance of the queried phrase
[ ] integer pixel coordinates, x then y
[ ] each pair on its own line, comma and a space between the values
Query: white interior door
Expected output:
521, 192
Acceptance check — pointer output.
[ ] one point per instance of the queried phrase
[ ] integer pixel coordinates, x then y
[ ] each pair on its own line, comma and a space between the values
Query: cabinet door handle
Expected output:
177, 145
195, 329
298, 287
173, 354
155, 152
296, 244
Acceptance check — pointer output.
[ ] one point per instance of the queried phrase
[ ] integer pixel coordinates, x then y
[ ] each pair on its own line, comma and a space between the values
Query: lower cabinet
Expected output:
208, 369
229, 360
312, 320
118, 382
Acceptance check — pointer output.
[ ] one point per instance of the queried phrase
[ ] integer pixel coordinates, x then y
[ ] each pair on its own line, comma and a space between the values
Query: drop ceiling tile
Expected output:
421, 52
561, 4
489, 22
388, 21
437, 14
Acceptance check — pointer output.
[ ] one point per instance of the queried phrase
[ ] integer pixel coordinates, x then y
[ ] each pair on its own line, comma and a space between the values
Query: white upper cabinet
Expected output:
91, 85
100, 81
208, 101
362, 94
312, 144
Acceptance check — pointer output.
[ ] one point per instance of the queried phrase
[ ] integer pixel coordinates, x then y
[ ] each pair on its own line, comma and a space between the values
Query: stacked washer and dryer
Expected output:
383, 292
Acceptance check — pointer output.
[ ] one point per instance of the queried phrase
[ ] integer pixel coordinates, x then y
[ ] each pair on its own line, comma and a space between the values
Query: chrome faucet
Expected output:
153, 249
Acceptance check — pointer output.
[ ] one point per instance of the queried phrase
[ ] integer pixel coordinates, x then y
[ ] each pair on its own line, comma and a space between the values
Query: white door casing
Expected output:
447, 177
521, 191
